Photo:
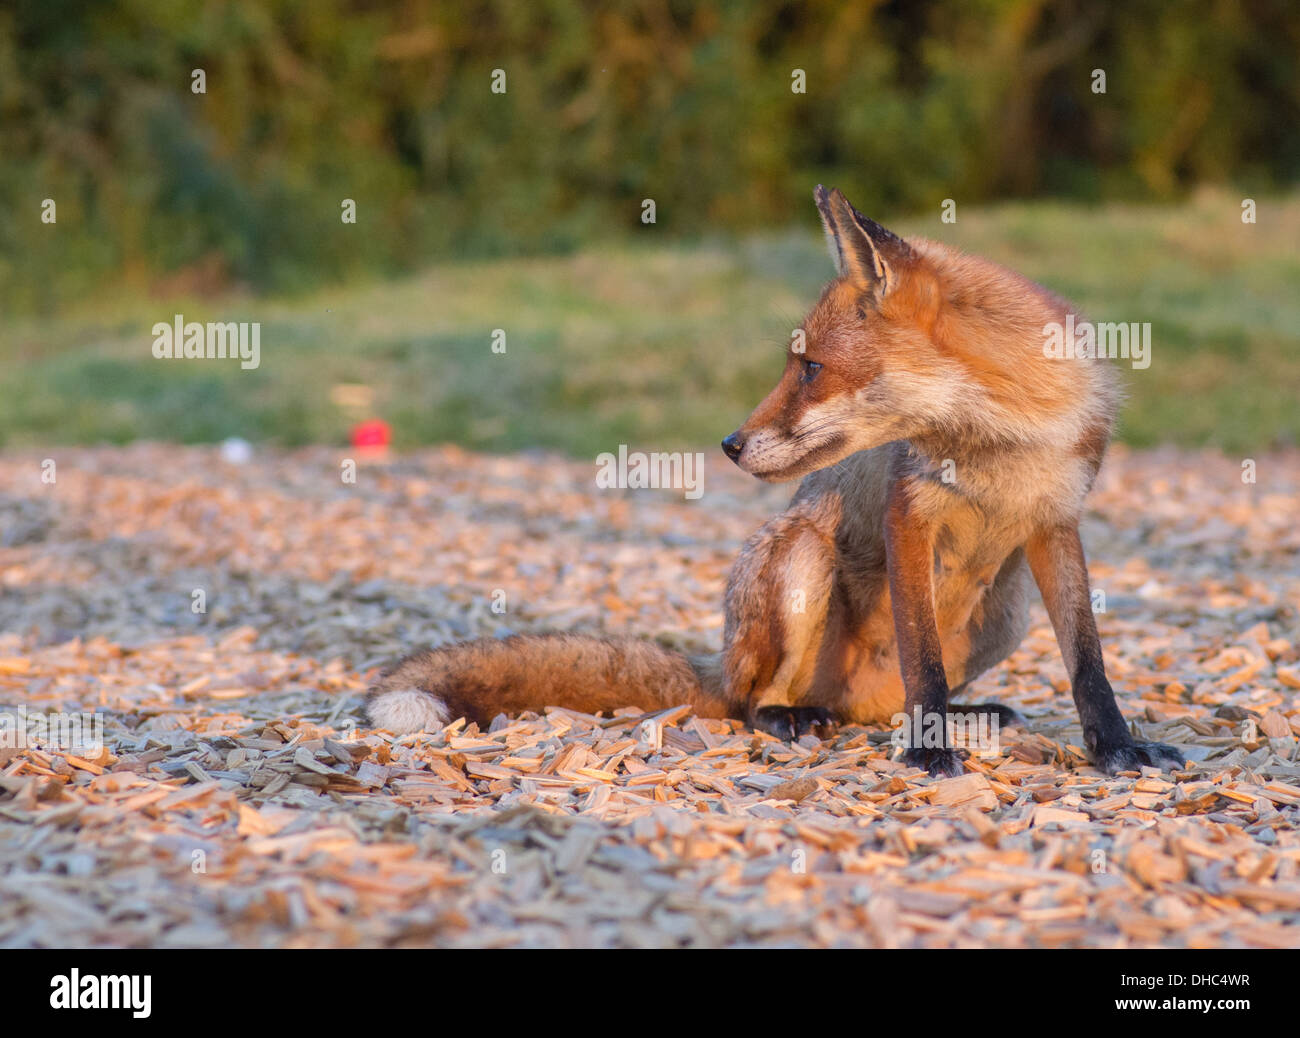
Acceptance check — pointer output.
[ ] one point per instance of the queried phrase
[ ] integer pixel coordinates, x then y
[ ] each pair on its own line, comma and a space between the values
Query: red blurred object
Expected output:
372, 433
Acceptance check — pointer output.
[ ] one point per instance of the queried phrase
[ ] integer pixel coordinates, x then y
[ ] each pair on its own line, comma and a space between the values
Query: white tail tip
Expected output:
407, 710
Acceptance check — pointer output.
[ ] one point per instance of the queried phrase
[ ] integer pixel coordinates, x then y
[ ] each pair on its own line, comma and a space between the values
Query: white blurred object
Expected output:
236, 451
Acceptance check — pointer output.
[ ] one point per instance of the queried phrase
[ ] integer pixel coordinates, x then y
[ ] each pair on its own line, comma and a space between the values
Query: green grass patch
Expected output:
666, 345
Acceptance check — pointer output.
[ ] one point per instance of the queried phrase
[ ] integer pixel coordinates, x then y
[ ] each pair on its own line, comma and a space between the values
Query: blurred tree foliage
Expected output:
907, 103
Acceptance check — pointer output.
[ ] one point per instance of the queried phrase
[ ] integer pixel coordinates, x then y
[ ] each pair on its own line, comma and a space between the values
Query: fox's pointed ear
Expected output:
862, 249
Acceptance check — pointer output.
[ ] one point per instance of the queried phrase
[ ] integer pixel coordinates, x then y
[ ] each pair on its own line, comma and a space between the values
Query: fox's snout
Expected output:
733, 445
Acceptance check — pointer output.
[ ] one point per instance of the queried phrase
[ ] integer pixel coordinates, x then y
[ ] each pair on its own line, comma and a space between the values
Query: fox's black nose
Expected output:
733, 445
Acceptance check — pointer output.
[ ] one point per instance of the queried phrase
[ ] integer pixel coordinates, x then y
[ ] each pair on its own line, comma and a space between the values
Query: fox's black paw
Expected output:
939, 761
1007, 718
1133, 755
791, 722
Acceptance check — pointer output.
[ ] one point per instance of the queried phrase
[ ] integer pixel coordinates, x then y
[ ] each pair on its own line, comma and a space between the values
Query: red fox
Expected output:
945, 457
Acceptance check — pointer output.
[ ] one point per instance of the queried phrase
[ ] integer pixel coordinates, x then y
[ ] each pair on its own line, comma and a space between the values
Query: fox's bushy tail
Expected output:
478, 680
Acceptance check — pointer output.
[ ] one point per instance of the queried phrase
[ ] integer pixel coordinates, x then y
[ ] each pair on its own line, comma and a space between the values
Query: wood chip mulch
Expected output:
239, 798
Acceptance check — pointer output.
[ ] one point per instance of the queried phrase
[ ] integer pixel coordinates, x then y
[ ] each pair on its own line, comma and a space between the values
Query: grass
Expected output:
666, 345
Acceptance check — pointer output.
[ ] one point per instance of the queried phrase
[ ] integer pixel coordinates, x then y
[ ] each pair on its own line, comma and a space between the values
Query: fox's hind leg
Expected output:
777, 599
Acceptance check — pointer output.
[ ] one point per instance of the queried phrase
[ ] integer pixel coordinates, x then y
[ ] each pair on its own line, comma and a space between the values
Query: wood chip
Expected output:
238, 734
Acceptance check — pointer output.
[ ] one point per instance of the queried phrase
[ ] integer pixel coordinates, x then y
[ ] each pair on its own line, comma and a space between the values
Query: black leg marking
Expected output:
939, 761
1007, 718
1056, 558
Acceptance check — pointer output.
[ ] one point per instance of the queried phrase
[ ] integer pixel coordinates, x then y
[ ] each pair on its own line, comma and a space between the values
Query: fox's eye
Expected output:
810, 369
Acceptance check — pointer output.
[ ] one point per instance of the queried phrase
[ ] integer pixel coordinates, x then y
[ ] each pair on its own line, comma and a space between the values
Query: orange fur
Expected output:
939, 443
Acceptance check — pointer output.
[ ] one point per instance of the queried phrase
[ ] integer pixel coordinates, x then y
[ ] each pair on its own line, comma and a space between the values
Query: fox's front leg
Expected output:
909, 554
777, 600
1056, 558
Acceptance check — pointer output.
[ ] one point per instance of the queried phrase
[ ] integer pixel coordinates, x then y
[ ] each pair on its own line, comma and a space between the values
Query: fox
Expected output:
943, 456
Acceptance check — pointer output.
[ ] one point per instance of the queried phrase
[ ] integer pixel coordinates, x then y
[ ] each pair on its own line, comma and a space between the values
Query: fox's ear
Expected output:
862, 249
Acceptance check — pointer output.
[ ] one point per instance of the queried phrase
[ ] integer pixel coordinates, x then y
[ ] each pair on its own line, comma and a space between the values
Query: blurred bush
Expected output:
606, 104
